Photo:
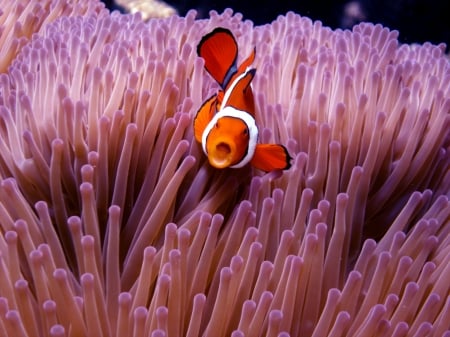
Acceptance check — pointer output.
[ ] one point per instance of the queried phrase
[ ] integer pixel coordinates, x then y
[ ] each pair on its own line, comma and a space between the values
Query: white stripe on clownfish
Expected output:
229, 90
249, 121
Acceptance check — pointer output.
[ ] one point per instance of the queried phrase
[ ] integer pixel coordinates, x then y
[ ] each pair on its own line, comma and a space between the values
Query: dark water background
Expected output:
417, 21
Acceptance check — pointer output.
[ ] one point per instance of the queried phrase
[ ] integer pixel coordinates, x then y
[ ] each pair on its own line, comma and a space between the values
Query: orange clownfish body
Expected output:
225, 123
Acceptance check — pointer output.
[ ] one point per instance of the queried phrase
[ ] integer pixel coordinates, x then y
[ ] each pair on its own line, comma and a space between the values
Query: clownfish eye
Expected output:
245, 132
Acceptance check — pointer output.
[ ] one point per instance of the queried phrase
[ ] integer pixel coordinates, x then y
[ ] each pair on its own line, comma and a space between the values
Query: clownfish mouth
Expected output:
222, 155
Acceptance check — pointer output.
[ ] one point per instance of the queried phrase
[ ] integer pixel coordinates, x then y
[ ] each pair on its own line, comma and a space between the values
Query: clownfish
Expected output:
225, 123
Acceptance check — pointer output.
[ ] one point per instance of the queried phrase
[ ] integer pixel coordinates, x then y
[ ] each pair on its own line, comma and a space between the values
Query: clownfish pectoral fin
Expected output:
269, 157
219, 49
240, 95
203, 116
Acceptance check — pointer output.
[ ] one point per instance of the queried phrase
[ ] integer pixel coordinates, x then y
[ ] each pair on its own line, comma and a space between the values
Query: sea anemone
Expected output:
20, 19
112, 222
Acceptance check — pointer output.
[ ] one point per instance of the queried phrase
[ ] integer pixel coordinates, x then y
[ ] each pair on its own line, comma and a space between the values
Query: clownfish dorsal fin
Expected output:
219, 49
239, 95
247, 62
269, 157
204, 116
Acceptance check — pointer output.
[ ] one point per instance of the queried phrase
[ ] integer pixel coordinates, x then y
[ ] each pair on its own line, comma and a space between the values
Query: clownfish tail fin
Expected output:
269, 157
219, 49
